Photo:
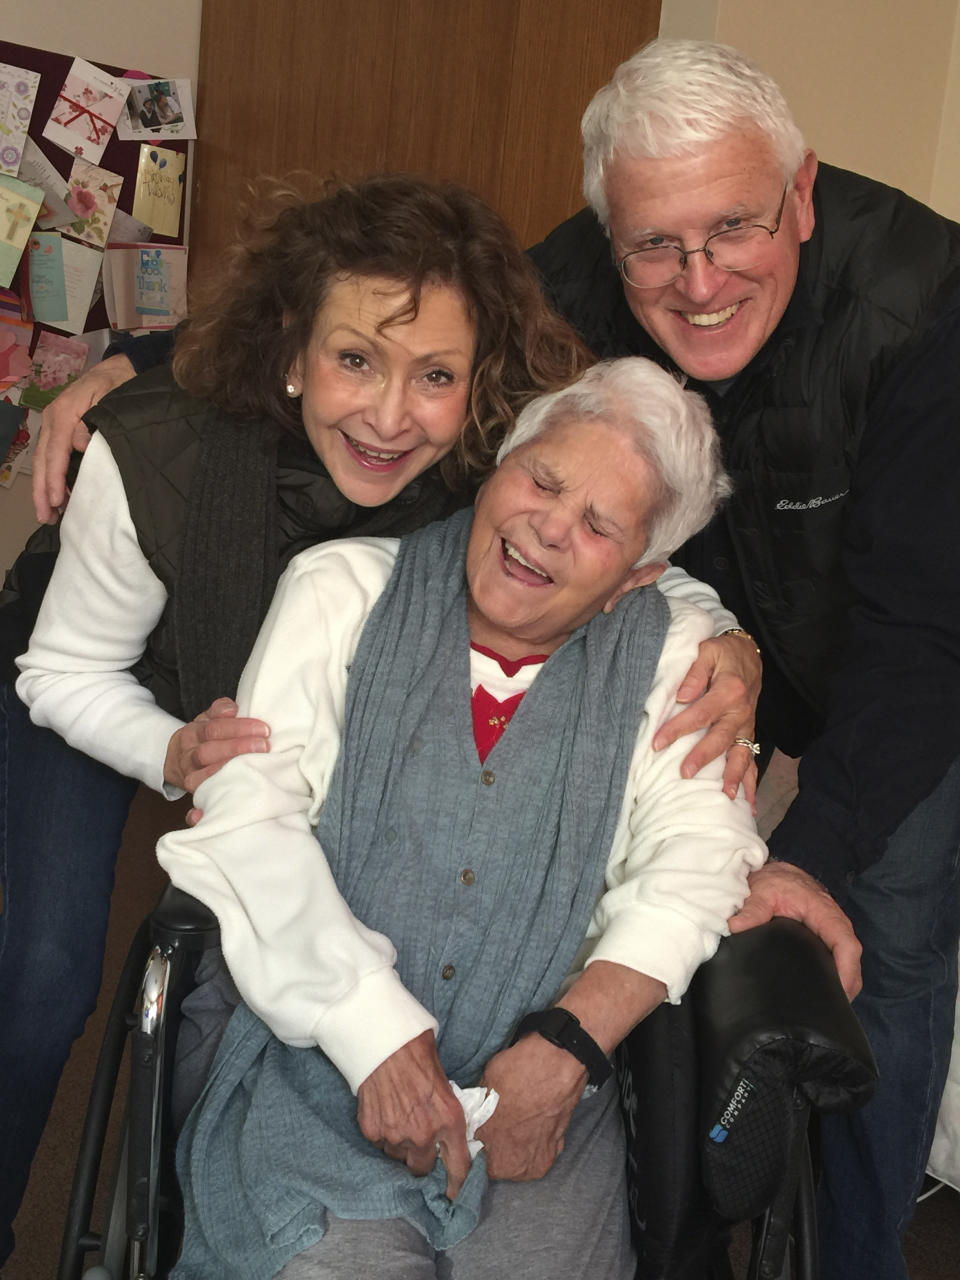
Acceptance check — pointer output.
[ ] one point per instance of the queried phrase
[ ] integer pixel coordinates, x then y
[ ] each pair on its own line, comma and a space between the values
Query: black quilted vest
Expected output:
220, 506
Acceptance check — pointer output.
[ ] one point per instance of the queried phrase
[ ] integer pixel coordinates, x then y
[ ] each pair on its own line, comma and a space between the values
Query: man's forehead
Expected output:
735, 172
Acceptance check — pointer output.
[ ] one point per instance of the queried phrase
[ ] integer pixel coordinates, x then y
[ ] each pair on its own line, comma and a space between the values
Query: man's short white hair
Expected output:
675, 97
670, 428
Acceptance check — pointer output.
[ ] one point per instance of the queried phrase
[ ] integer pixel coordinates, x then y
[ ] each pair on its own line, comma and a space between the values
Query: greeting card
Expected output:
15, 335
159, 189
145, 286
46, 285
37, 169
92, 196
86, 111
57, 361
157, 109
127, 230
18, 90
62, 278
19, 205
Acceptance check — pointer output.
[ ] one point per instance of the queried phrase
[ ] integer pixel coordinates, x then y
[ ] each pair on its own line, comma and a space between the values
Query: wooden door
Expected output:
487, 92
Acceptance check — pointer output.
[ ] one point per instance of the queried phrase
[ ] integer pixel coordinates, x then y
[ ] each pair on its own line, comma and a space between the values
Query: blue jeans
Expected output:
906, 912
61, 818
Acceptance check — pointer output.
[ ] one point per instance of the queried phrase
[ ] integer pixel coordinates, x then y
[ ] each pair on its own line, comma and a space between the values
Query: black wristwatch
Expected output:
563, 1029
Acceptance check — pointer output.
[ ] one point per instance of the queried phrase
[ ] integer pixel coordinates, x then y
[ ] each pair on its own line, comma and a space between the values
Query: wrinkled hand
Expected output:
722, 686
407, 1108
539, 1087
62, 430
201, 747
781, 889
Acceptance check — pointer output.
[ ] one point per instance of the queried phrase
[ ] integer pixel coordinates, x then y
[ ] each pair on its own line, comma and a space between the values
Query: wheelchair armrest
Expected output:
775, 1031
182, 920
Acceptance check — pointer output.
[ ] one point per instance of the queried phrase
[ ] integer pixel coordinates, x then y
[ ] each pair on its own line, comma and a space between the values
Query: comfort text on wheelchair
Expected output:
732, 1111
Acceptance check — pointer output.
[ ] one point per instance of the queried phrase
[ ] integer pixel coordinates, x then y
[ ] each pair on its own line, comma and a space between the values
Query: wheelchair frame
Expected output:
143, 1222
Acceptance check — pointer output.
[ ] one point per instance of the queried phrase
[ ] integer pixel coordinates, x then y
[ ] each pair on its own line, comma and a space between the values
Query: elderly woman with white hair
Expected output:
462, 866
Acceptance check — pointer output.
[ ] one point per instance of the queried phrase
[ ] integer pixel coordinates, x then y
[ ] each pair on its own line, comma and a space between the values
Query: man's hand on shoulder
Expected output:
62, 431
781, 889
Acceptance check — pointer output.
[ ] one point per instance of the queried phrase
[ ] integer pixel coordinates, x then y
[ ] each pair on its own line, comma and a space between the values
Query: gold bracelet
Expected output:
739, 631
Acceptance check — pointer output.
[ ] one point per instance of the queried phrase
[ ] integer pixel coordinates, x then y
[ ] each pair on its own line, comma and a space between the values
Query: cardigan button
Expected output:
447, 972
488, 777
467, 876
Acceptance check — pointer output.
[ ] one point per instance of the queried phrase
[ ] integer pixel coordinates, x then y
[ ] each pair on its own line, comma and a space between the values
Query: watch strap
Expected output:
563, 1029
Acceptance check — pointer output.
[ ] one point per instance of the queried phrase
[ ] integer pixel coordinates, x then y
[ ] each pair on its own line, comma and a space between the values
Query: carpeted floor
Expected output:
933, 1244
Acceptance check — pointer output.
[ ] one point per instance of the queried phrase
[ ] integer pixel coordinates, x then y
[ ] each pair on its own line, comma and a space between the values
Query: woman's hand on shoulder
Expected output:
721, 688
62, 431
407, 1108
205, 744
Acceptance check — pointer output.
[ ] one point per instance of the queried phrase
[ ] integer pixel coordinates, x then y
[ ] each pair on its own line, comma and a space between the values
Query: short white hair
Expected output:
675, 97
670, 428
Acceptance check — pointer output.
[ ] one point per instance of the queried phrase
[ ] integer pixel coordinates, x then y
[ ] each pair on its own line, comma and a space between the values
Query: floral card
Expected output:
92, 196
159, 189
19, 205
37, 169
86, 111
157, 109
18, 91
57, 361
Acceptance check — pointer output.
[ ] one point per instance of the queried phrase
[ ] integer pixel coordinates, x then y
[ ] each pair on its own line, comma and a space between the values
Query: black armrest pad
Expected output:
775, 1030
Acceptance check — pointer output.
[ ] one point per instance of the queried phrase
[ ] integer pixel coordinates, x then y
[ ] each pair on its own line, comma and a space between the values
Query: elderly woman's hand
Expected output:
539, 1087
407, 1108
203, 746
62, 430
722, 686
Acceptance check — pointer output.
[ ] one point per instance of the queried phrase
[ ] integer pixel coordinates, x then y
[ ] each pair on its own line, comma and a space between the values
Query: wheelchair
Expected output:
716, 1094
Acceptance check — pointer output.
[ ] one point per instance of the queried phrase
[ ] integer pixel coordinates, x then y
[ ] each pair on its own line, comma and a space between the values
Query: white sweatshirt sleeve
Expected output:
682, 850
676, 584
299, 957
102, 603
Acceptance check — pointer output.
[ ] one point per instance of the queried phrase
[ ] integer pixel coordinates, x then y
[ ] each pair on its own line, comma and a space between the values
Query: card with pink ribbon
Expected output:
86, 111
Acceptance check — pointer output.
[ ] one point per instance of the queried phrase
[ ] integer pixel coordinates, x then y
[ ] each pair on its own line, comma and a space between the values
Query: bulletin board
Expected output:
20, 403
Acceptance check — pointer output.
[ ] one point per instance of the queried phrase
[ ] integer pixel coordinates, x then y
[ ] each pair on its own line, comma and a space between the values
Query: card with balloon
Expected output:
159, 190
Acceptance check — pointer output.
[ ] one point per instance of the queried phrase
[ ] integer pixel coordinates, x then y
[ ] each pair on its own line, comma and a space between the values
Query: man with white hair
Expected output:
819, 313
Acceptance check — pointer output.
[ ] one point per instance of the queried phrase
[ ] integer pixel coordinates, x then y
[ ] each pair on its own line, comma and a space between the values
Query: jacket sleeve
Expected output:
146, 351
893, 726
102, 603
677, 585
299, 957
682, 851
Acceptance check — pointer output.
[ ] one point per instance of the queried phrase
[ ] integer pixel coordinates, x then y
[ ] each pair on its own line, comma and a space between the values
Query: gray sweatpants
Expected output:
570, 1225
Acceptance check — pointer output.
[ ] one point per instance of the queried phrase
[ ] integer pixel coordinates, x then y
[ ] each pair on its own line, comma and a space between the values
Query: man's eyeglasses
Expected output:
736, 249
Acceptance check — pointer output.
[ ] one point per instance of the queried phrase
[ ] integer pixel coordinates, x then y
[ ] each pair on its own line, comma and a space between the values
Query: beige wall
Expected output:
874, 86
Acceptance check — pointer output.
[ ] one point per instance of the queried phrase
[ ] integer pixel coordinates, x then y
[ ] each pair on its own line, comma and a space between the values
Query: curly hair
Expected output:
259, 313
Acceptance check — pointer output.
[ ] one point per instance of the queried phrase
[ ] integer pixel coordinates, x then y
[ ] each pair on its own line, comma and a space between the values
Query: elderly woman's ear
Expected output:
641, 577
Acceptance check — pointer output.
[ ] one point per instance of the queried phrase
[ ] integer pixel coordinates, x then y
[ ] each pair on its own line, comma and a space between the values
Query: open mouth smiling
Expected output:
375, 457
708, 319
520, 568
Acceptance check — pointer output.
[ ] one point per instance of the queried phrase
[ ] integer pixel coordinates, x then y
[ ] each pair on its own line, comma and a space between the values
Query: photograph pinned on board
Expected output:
158, 109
